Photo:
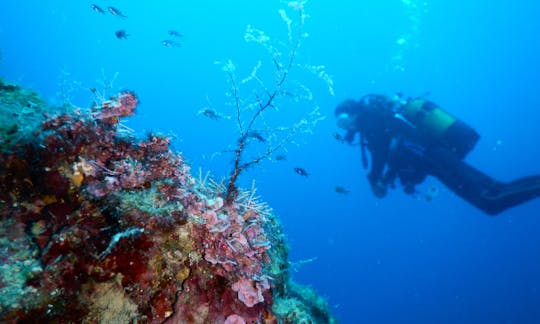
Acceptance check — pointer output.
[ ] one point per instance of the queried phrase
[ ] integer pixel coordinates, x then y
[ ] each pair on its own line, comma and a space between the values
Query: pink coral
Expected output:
133, 219
234, 319
249, 292
124, 106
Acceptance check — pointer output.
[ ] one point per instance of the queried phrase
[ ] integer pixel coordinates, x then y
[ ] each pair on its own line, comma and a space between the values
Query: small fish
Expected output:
281, 157
174, 33
121, 34
116, 12
170, 43
98, 9
256, 135
301, 172
210, 113
341, 190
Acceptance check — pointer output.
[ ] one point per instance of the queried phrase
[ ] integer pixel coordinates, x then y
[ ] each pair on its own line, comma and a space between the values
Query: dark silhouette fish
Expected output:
301, 172
256, 135
121, 34
341, 190
170, 43
281, 157
116, 12
98, 9
211, 114
174, 33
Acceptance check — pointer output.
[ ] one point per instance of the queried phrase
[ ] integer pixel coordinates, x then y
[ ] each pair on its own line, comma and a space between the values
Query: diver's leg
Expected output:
477, 188
507, 195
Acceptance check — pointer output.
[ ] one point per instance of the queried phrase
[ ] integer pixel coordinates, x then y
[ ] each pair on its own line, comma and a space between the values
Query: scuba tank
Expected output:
436, 125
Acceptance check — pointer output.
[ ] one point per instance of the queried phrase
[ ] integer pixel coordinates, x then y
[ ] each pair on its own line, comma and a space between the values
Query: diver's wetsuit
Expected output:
398, 152
477, 188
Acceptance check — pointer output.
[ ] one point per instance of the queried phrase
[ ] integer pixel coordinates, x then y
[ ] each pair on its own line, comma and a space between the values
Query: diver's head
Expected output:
347, 114
354, 116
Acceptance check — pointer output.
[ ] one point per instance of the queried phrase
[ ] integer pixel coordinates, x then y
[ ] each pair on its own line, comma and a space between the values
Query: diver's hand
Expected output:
349, 137
378, 186
379, 189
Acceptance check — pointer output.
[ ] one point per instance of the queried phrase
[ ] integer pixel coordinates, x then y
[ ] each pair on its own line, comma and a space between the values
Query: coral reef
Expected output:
97, 226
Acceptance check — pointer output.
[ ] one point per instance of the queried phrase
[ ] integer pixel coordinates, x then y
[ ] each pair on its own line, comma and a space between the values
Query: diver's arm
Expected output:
379, 156
349, 137
389, 177
378, 135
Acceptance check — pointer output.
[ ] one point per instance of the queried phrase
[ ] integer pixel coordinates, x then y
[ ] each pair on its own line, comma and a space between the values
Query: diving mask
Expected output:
345, 121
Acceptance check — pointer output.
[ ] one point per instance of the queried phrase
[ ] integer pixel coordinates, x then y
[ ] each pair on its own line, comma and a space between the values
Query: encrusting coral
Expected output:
97, 226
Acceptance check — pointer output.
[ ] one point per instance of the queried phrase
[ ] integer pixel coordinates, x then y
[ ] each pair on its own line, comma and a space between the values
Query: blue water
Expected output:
396, 260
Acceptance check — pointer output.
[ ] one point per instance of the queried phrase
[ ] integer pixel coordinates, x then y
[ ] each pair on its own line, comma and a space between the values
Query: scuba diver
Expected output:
411, 138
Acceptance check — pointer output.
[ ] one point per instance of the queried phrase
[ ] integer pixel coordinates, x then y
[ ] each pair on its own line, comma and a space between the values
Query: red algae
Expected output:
96, 226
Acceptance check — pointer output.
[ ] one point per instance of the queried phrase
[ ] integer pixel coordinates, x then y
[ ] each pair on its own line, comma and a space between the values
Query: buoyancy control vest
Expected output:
436, 125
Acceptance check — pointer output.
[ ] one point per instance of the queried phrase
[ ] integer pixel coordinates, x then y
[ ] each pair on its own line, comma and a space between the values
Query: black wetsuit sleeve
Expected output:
380, 127
379, 147
477, 188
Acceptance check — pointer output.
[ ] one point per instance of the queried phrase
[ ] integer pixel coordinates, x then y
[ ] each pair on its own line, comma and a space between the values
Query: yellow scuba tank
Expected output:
436, 125
428, 118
